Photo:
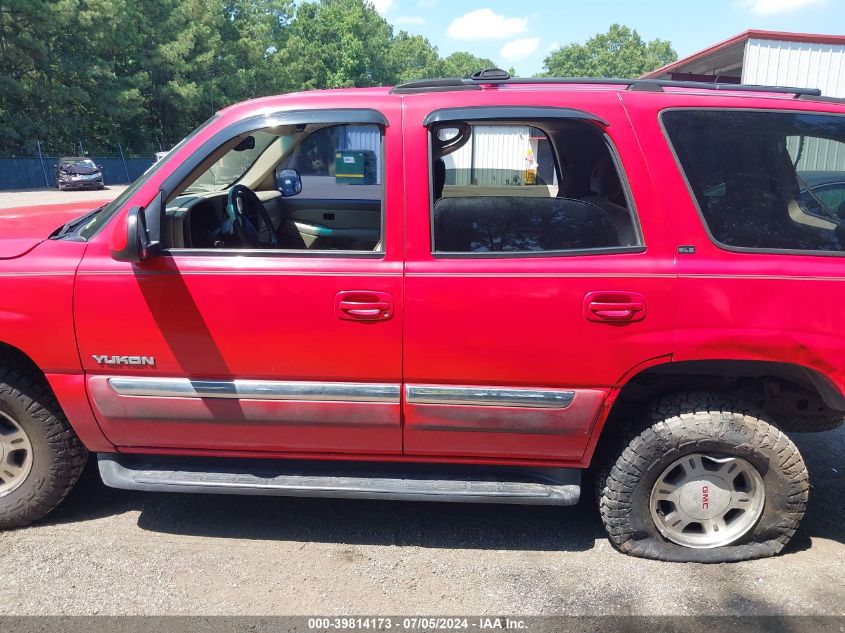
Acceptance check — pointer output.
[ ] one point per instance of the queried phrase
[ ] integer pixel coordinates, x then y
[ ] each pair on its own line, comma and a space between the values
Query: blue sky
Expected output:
520, 34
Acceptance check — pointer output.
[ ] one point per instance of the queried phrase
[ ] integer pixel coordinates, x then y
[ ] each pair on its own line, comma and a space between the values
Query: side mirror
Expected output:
100, 167
55, 166
289, 182
140, 237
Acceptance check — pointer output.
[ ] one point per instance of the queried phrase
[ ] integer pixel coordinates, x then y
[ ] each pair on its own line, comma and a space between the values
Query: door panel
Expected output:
221, 320
525, 328
326, 224
568, 322
234, 351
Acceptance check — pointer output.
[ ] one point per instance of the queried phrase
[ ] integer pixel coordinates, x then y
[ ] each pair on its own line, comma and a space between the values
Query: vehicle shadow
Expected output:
363, 522
435, 525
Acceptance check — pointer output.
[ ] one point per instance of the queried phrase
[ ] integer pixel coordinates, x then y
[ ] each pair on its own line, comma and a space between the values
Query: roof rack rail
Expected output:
658, 84
496, 76
823, 99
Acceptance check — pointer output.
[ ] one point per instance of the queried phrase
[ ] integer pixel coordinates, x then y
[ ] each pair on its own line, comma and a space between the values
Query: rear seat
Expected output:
503, 223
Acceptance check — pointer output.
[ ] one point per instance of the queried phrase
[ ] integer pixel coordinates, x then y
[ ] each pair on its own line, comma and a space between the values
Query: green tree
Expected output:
413, 57
183, 42
105, 79
252, 32
29, 86
463, 64
620, 52
336, 44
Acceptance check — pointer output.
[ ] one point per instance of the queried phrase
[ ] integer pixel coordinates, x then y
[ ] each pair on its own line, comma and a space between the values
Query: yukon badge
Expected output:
124, 360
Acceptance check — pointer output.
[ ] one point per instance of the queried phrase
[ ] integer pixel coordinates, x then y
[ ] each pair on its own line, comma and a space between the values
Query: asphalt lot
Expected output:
26, 197
107, 551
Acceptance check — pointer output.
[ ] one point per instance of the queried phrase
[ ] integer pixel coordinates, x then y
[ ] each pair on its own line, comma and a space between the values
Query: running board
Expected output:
359, 480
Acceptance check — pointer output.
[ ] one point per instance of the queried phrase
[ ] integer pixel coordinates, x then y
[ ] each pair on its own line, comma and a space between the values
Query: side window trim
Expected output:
330, 116
497, 114
512, 113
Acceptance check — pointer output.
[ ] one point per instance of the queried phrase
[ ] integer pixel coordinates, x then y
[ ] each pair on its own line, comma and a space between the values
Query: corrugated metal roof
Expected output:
801, 64
720, 55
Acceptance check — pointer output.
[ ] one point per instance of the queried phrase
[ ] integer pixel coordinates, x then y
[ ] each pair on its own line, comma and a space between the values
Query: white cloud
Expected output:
519, 49
770, 7
485, 24
409, 19
553, 46
382, 6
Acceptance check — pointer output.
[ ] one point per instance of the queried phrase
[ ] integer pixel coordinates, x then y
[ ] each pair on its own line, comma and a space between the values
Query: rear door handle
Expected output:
614, 307
363, 305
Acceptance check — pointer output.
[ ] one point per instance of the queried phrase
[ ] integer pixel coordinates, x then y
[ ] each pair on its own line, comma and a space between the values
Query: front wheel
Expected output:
41, 457
706, 481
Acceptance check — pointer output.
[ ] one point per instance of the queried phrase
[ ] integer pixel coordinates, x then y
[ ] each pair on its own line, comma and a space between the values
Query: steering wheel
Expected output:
241, 205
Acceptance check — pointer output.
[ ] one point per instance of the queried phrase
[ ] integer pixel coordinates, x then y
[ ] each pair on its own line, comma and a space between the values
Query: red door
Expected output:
277, 352
512, 355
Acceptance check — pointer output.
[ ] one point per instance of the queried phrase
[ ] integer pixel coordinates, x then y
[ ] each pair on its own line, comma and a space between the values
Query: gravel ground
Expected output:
27, 197
107, 551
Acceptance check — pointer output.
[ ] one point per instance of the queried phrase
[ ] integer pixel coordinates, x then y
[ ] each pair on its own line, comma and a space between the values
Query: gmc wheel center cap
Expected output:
705, 498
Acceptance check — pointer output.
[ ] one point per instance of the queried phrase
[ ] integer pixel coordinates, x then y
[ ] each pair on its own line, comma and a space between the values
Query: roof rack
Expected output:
496, 76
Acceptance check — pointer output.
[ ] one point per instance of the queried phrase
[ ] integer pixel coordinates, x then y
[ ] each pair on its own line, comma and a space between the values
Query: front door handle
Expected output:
363, 305
614, 307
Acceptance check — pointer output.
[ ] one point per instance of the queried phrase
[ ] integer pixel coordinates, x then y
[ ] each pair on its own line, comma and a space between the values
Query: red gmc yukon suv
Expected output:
453, 290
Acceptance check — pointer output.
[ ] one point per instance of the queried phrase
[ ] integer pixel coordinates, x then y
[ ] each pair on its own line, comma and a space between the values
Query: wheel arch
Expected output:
755, 381
733, 369
12, 355
69, 391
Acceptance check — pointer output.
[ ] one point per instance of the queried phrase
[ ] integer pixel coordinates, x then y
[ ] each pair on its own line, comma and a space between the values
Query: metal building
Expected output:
798, 60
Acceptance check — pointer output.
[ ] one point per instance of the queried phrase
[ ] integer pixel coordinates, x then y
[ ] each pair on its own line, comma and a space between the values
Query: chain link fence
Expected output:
33, 165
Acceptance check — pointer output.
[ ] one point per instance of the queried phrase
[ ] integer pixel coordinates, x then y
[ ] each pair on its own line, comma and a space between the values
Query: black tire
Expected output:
58, 457
684, 424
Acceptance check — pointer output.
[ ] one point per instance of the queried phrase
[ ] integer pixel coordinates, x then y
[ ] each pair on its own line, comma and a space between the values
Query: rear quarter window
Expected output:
764, 180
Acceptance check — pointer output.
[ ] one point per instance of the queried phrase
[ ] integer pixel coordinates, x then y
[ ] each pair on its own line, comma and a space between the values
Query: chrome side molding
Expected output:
340, 392
256, 389
489, 396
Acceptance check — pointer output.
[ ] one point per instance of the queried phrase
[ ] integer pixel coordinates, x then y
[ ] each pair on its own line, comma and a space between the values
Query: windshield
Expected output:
105, 214
232, 165
67, 164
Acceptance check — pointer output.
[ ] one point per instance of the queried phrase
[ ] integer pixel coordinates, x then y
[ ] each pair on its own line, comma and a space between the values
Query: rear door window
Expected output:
516, 188
764, 180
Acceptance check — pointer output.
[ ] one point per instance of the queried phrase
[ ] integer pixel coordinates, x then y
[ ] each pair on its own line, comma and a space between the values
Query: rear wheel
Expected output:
41, 457
706, 480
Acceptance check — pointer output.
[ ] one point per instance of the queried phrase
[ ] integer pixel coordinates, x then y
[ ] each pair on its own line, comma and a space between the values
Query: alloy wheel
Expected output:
705, 501
15, 454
